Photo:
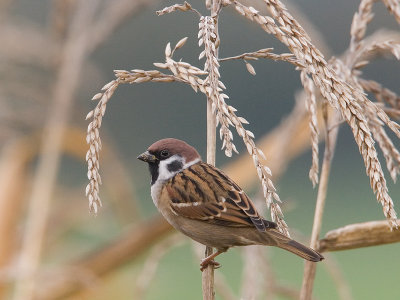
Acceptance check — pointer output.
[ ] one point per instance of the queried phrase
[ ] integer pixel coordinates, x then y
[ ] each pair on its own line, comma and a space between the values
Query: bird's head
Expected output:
167, 157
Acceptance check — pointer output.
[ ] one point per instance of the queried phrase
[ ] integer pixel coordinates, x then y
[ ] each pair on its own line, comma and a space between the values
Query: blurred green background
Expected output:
141, 114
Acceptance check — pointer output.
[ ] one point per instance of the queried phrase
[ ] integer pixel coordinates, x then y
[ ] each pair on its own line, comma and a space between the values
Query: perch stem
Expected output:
330, 143
208, 273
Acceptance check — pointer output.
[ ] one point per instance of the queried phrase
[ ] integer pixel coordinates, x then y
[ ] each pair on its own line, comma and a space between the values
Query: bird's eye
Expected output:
164, 153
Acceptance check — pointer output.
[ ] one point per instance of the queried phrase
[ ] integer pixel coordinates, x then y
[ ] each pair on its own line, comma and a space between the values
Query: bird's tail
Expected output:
295, 247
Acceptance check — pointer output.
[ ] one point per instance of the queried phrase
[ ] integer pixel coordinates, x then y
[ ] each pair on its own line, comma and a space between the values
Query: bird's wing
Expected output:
205, 193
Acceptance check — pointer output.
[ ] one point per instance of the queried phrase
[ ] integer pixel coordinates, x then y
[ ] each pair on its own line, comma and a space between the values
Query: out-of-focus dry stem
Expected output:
152, 262
45, 174
358, 236
333, 268
113, 15
13, 161
330, 143
128, 246
252, 280
222, 288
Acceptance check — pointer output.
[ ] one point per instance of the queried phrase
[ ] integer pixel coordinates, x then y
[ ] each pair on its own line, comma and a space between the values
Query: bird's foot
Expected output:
206, 262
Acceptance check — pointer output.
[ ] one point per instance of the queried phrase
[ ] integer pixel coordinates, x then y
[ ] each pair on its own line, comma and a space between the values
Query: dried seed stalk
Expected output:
266, 53
382, 94
393, 7
94, 141
226, 117
176, 7
185, 73
311, 105
340, 95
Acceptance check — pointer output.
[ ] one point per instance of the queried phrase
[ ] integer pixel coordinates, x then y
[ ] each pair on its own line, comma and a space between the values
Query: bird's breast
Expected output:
156, 189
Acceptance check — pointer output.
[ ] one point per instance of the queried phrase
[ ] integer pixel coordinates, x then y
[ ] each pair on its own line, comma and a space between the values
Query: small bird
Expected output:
203, 203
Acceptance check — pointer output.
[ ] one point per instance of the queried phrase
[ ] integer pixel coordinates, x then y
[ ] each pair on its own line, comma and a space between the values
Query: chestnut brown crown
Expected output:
168, 147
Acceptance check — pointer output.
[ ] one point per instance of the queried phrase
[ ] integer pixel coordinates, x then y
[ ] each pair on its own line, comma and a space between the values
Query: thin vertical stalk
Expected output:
330, 143
49, 159
208, 273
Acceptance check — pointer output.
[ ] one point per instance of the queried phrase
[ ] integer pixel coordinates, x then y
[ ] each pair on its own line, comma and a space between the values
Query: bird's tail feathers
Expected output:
295, 247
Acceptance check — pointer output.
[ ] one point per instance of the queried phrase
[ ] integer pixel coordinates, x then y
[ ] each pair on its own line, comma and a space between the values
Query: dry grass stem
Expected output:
94, 141
222, 288
361, 19
376, 48
13, 181
152, 262
311, 105
226, 117
348, 100
45, 174
393, 7
382, 94
252, 274
272, 287
253, 282
125, 248
93, 137
267, 54
333, 268
359, 235
113, 15
177, 7
211, 86
330, 143
391, 154
208, 35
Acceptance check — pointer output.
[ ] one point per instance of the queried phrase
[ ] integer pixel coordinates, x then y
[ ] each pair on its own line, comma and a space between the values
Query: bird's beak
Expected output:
147, 157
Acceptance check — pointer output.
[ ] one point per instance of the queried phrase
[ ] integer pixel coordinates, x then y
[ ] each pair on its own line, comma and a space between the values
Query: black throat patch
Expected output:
175, 166
153, 167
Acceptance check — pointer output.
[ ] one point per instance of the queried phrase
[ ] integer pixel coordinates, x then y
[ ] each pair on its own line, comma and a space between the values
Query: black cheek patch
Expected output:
175, 166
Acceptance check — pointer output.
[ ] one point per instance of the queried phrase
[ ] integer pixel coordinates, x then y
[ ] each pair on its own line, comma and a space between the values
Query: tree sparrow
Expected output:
205, 204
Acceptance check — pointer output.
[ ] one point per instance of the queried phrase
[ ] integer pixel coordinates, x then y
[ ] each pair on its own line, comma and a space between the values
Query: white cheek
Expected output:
163, 172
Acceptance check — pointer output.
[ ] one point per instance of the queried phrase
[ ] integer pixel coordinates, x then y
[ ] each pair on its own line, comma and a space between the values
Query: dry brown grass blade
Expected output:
333, 268
393, 7
281, 145
347, 99
113, 15
151, 264
13, 163
45, 175
382, 94
330, 144
266, 54
129, 246
311, 105
359, 235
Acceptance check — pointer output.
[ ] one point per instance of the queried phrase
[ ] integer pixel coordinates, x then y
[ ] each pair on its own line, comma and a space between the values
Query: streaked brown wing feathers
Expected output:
205, 193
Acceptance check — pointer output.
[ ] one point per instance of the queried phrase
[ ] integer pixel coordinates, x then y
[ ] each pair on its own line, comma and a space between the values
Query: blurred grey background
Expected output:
138, 115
